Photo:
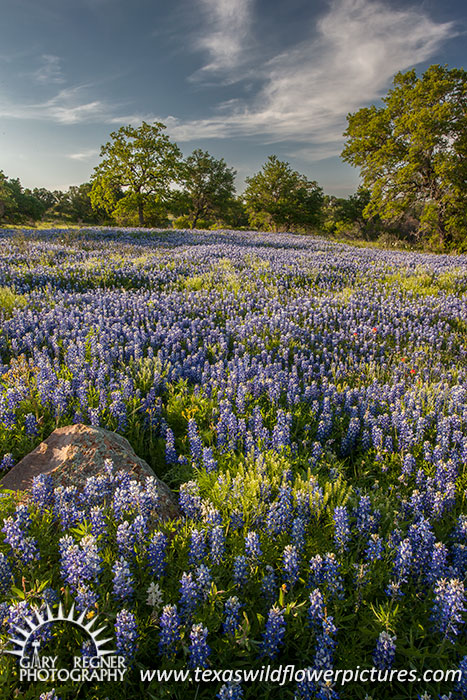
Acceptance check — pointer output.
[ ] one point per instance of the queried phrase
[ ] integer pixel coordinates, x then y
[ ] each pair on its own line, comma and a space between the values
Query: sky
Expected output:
242, 79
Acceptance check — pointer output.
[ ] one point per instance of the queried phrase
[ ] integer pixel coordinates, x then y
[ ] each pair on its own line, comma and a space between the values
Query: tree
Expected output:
48, 198
208, 186
18, 204
76, 205
348, 216
142, 162
412, 152
281, 198
7, 203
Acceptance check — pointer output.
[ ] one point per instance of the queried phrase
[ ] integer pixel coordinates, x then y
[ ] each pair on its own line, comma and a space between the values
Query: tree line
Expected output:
411, 152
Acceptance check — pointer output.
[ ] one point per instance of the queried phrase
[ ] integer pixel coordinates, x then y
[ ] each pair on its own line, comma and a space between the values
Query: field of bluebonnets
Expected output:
306, 400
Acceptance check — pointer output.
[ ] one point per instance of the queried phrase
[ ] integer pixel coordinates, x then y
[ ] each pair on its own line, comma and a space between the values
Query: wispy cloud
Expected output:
87, 154
348, 61
49, 72
68, 106
226, 34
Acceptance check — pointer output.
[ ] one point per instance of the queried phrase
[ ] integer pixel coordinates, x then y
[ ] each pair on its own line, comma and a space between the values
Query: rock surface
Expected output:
76, 452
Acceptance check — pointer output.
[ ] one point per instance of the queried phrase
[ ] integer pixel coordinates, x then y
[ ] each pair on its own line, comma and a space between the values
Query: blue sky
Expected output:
240, 78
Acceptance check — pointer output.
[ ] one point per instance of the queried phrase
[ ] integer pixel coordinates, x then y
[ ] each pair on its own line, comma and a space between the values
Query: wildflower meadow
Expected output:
305, 400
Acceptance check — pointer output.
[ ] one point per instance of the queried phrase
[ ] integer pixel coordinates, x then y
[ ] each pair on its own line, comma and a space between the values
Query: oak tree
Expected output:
140, 161
412, 152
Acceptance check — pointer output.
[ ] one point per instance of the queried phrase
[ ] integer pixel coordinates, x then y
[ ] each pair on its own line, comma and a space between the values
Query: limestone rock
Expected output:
76, 452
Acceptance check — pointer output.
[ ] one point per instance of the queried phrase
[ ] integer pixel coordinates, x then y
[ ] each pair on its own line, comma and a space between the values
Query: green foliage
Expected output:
75, 204
346, 217
9, 301
208, 187
279, 198
18, 204
412, 155
138, 168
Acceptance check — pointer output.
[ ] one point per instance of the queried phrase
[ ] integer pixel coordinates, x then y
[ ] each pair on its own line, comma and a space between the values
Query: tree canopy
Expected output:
281, 198
208, 186
138, 167
412, 152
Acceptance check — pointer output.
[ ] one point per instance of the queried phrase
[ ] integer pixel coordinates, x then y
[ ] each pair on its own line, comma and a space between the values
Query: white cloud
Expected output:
49, 71
348, 61
227, 24
66, 107
87, 154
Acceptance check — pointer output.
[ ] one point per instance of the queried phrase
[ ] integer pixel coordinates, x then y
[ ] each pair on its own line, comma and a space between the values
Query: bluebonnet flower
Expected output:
273, 635
210, 514
366, 518
42, 491
209, 463
438, 565
156, 554
50, 597
198, 650
385, 651
126, 634
230, 691
461, 686
374, 549
194, 439
217, 542
148, 501
197, 550
98, 521
117, 409
269, 587
203, 581
281, 431
30, 425
403, 561
50, 695
240, 570
6, 574
326, 570
125, 538
408, 465
236, 519
422, 540
298, 533
190, 500
232, 615
170, 452
66, 506
291, 564
170, 627
325, 644
448, 607
253, 546
123, 588
316, 609
459, 560
341, 527
459, 532
353, 431
24, 548
7, 462
85, 597
280, 514
189, 595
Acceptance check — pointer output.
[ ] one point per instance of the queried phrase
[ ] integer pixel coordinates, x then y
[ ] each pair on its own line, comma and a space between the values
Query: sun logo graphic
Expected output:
104, 665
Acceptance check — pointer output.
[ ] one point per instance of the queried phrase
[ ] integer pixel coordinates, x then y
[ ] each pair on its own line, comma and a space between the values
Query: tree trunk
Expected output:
140, 212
